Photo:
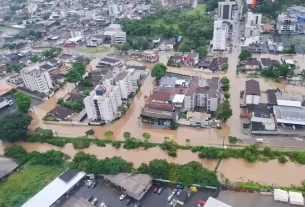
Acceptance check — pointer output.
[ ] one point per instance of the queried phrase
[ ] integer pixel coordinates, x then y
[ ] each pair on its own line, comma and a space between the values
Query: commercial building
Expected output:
289, 115
54, 192
253, 24
220, 35
253, 92
123, 80
225, 10
115, 34
202, 93
103, 103
286, 23
150, 56
37, 79
298, 11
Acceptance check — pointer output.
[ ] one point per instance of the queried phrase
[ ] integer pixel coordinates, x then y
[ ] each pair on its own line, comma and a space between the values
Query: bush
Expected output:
101, 142
282, 159
60, 101
16, 152
172, 153
81, 143
227, 95
57, 142
116, 144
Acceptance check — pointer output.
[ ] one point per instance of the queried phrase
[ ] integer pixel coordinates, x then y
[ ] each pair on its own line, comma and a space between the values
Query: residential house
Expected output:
135, 56
205, 62
190, 58
110, 62
251, 64
268, 28
62, 113
253, 92
267, 62
167, 44
150, 56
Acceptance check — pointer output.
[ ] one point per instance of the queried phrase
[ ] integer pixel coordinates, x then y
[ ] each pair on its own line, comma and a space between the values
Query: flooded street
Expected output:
258, 171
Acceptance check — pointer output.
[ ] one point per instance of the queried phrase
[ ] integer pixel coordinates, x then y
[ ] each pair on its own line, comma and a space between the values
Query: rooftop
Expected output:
289, 115
122, 75
61, 112
109, 60
159, 114
253, 88
159, 96
57, 188
7, 165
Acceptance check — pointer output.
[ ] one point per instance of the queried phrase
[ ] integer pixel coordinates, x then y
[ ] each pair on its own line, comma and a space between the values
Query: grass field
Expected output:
25, 183
91, 49
201, 8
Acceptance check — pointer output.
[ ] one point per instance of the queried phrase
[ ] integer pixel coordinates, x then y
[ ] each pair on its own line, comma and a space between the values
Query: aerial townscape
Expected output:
152, 103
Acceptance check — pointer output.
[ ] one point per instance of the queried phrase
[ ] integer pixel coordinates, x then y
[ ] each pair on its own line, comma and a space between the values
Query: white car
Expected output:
103, 205
170, 198
122, 196
172, 202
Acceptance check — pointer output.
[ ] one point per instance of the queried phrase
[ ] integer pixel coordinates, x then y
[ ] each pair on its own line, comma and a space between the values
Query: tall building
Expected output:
286, 23
36, 78
220, 35
225, 10
103, 103
123, 80
253, 24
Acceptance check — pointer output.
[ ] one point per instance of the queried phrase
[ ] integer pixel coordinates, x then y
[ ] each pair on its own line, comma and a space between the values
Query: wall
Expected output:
252, 99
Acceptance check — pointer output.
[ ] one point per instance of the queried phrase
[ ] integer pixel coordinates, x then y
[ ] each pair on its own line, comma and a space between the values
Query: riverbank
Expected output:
235, 170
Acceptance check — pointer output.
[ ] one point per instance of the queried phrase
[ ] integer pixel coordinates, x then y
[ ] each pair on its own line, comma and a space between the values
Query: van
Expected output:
259, 140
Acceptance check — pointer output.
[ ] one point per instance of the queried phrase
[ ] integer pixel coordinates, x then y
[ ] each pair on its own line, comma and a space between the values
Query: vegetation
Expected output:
86, 92
245, 54
73, 76
224, 111
108, 134
290, 49
158, 71
14, 126
35, 59
14, 67
49, 118
90, 132
225, 67
182, 115
91, 50
71, 104
234, 140
225, 83
23, 101
184, 47
50, 53
81, 143
277, 71
203, 51
16, 152
227, 95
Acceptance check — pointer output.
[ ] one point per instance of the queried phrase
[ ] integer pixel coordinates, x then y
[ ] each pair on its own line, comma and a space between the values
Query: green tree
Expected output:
146, 135
14, 126
158, 169
225, 67
16, 152
126, 135
73, 76
90, 132
35, 59
203, 51
184, 47
234, 140
42, 135
225, 83
227, 95
125, 47
87, 61
224, 111
86, 92
23, 101
13, 68
158, 71
108, 134
60, 101
79, 67
245, 54
282, 159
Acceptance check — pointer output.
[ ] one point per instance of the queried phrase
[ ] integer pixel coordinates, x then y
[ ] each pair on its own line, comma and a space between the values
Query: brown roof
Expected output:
160, 96
160, 106
252, 88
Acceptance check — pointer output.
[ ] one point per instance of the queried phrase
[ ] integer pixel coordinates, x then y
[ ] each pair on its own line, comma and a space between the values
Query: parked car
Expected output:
103, 205
201, 202
174, 191
172, 202
89, 198
160, 190
283, 125
179, 186
137, 204
122, 197
128, 201
259, 141
156, 189
245, 125
93, 185
179, 191
94, 201
89, 183
170, 197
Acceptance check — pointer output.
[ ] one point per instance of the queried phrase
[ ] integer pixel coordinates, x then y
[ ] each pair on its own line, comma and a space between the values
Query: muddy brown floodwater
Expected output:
235, 170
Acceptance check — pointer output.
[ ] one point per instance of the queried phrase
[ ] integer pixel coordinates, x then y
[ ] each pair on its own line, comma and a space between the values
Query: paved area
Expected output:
239, 199
111, 196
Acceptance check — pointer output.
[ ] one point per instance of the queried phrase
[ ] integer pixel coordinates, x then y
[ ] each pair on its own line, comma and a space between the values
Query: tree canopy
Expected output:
203, 51
73, 76
23, 101
245, 54
14, 126
184, 47
224, 111
79, 67
13, 68
159, 70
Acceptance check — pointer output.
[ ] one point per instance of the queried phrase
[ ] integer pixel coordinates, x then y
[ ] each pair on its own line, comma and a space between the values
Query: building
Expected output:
253, 92
220, 35
37, 79
289, 115
286, 23
267, 62
298, 11
190, 58
115, 34
123, 80
55, 191
225, 10
253, 24
106, 61
103, 103
251, 64
212, 202
7, 166
150, 56
202, 93
167, 44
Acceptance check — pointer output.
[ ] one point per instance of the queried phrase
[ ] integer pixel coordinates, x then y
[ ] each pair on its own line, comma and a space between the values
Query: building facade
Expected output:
220, 35
286, 23
37, 79
225, 10
123, 80
103, 103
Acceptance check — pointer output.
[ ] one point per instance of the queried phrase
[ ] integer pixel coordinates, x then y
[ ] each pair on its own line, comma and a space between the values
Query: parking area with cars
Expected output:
101, 194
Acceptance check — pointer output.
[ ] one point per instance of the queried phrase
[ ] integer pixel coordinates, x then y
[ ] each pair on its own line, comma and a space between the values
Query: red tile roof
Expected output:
160, 106
160, 96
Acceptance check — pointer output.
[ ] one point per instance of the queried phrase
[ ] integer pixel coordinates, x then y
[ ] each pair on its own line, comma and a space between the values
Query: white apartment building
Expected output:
286, 23
225, 10
123, 80
37, 79
115, 33
220, 35
103, 102
253, 24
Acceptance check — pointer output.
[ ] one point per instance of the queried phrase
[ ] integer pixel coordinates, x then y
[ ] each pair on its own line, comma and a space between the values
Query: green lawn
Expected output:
91, 49
159, 22
25, 183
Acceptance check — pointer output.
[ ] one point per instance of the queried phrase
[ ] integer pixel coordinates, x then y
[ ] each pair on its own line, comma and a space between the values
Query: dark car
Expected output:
128, 201
89, 198
179, 186
160, 190
245, 125
137, 204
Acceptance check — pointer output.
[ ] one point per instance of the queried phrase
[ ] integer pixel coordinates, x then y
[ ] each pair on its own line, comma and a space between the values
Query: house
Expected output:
109, 62
217, 63
267, 62
205, 62
167, 44
135, 56
198, 119
15, 79
251, 64
62, 113
190, 58
150, 56
58, 78
174, 61
253, 92
268, 28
